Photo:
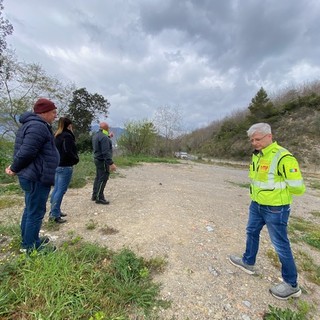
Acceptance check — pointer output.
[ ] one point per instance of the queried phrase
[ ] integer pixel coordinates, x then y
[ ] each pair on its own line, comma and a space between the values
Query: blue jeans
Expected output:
36, 196
61, 183
276, 219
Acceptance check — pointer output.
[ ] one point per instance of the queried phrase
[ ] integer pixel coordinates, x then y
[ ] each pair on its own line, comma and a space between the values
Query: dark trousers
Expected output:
102, 176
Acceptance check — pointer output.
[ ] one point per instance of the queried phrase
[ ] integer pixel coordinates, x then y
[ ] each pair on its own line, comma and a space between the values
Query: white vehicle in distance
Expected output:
181, 155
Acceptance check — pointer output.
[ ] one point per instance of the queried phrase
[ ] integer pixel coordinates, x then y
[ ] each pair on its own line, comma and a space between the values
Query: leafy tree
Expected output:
261, 107
84, 108
138, 138
21, 84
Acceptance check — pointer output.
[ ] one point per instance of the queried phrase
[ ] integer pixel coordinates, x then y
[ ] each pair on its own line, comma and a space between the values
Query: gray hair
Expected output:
261, 127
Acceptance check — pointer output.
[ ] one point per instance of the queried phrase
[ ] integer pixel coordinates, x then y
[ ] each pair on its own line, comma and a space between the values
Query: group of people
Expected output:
42, 159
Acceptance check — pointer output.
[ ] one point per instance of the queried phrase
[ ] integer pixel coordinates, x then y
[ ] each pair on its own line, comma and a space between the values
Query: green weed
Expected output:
91, 225
315, 213
157, 264
239, 184
8, 202
272, 255
302, 313
306, 231
79, 281
314, 184
108, 230
10, 189
306, 264
11, 230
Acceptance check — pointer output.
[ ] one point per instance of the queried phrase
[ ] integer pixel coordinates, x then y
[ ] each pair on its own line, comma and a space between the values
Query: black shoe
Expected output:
93, 198
57, 220
44, 240
44, 250
102, 201
63, 214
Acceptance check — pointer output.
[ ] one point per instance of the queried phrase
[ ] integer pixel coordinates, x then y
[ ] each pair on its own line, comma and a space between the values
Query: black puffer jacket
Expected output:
66, 145
35, 154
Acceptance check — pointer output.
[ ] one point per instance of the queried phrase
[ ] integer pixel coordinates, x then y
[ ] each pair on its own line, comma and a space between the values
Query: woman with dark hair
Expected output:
65, 143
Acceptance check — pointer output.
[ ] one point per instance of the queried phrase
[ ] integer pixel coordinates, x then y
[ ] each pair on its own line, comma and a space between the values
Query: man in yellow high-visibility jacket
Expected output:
275, 176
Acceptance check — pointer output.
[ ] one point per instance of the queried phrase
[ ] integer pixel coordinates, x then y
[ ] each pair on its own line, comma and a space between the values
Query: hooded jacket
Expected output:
35, 154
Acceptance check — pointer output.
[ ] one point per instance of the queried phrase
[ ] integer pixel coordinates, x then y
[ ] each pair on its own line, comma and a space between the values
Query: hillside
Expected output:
294, 116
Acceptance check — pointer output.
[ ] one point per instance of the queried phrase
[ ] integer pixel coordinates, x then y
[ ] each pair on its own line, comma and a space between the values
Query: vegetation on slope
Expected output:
294, 116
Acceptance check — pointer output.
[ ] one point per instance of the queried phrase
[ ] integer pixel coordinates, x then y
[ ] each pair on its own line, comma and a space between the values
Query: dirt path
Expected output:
194, 215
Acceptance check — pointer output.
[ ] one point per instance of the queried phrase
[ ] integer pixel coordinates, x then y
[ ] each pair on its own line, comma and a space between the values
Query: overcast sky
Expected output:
206, 57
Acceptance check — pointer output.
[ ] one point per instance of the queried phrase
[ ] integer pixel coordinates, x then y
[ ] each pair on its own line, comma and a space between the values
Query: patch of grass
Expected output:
8, 202
79, 281
129, 161
272, 255
315, 213
10, 229
239, 184
303, 312
305, 263
9, 189
51, 225
91, 225
108, 230
157, 264
77, 182
10, 240
306, 231
85, 170
315, 184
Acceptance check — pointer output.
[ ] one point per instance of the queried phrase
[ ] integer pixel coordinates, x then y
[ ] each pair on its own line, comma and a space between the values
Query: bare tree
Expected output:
168, 122
21, 84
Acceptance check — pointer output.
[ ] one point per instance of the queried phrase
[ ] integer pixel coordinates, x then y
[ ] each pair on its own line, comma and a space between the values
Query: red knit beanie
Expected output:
43, 105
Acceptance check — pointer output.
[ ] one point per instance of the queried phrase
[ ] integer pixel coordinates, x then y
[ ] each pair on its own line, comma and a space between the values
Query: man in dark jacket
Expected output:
102, 153
35, 160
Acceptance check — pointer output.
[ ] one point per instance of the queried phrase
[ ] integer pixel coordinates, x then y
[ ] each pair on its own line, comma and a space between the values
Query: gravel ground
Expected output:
194, 215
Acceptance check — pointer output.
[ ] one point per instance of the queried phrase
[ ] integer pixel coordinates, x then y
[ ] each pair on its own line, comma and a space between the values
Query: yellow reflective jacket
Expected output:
275, 176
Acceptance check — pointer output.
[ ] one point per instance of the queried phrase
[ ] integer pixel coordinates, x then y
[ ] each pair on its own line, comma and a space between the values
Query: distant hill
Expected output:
117, 132
293, 115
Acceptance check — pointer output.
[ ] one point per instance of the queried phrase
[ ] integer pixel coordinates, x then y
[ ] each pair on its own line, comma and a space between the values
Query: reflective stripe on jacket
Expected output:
275, 176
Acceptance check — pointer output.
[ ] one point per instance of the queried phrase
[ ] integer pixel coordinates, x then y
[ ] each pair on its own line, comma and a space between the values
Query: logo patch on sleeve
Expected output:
293, 170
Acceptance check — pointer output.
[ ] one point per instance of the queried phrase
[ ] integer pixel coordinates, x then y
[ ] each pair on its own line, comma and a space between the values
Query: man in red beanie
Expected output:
35, 160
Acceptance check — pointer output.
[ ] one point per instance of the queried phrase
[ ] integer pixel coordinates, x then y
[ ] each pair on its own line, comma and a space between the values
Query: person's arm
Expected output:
289, 169
33, 141
106, 149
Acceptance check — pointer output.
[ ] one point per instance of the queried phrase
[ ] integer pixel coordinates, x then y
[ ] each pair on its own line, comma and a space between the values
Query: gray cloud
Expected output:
207, 57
